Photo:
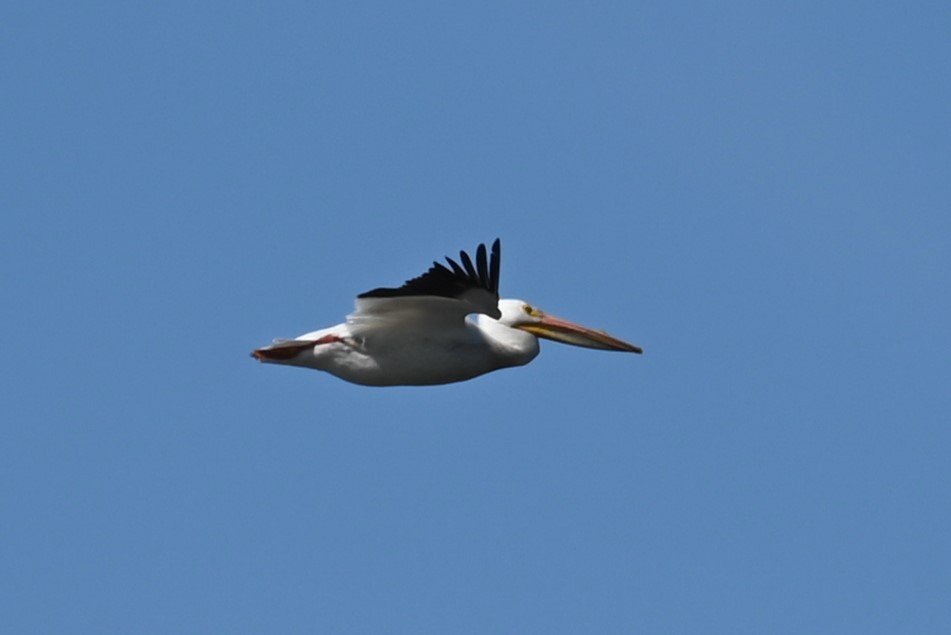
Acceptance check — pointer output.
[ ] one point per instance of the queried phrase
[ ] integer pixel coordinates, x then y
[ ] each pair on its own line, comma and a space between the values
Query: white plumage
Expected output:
445, 326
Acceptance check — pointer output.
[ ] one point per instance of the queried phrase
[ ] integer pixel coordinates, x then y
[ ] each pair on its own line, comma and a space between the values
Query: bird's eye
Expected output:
528, 309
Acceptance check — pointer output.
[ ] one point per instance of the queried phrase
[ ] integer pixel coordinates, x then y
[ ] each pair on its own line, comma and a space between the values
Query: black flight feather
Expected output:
495, 264
483, 264
451, 283
456, 269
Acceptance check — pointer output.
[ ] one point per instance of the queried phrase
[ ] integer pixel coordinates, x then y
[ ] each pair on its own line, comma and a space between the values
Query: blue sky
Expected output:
758, 195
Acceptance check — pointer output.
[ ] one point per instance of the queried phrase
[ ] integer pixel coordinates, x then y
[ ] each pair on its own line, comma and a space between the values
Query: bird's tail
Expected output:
283, 350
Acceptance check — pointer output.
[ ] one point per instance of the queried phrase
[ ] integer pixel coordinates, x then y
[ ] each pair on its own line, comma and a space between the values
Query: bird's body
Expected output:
411, 354
442, 327
404, 351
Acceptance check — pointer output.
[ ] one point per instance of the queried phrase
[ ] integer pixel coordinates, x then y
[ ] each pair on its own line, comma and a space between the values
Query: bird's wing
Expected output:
441, 296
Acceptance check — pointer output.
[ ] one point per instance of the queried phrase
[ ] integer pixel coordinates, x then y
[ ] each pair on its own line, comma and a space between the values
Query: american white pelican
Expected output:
447, 325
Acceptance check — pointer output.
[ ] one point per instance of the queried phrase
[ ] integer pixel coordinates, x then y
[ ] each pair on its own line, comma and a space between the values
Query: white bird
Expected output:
444, 326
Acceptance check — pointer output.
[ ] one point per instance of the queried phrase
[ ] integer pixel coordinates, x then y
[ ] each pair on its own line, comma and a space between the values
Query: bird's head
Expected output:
522, 315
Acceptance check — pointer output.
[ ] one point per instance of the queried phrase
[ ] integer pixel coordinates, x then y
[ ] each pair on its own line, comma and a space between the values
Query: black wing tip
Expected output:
482, 273
442, 281
495, 265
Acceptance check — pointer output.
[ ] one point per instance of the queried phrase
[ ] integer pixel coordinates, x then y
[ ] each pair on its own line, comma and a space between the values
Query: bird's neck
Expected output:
511, 347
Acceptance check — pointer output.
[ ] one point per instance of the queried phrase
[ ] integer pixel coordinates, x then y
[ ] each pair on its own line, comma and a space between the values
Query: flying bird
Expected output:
444, 326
